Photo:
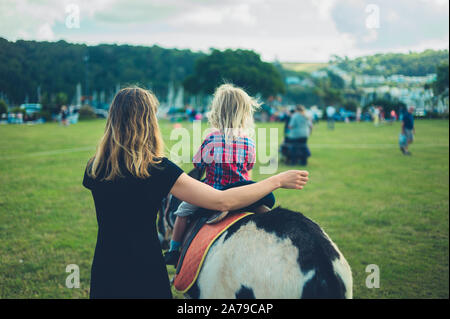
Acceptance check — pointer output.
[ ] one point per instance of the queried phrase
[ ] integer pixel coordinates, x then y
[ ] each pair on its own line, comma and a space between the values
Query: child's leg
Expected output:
178, 232
261, 209
184, 210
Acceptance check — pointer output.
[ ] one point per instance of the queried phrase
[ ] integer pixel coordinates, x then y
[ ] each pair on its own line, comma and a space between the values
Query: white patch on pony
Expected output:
342, 269
254, 258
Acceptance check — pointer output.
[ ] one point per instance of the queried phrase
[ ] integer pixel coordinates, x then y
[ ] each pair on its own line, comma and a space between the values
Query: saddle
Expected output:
197, 241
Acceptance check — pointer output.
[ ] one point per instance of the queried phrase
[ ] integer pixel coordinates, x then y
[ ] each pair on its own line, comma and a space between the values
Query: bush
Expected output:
18, 110
351, 105
86, 112
44, 114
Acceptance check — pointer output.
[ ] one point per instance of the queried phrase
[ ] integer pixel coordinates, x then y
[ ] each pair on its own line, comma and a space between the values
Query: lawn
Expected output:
379, 206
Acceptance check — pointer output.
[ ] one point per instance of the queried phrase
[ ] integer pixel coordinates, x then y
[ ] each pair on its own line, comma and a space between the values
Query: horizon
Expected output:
207, 51
307, 31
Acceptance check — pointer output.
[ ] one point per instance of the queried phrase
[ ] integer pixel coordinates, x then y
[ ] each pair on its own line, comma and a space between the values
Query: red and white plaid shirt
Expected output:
225, 163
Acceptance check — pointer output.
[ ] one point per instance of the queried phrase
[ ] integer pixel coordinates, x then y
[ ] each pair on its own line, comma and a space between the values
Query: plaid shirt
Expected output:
225, 163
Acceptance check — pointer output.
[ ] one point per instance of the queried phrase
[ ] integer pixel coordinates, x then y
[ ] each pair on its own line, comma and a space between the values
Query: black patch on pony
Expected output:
245, 293
316, 251
194, 291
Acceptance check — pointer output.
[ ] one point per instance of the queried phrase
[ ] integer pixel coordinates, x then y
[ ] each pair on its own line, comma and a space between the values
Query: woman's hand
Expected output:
200, 194
293, 179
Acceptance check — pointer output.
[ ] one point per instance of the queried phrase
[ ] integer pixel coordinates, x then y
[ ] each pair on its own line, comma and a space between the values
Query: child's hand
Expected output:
293, 179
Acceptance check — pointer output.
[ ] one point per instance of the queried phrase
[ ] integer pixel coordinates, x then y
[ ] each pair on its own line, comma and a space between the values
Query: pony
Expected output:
280, 254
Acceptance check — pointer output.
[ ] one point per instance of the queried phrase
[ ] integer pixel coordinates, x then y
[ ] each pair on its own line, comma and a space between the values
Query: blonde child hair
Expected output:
232, 111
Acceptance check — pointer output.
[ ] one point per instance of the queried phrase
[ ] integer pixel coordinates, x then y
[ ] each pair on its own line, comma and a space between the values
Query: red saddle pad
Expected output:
195, 255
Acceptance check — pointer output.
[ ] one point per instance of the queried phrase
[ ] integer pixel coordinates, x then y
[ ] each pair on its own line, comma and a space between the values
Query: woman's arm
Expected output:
200, 194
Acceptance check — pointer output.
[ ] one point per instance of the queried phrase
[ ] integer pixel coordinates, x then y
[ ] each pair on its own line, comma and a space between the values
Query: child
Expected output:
227, 155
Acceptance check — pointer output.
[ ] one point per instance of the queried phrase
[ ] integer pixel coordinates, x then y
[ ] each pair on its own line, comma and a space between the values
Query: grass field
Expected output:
379, 206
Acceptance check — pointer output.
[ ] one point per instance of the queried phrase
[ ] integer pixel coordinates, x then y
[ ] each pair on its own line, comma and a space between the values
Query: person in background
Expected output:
408, 129
358, 114
299, 131
64, 115
330, 117
289, 112
376, 116
393, 116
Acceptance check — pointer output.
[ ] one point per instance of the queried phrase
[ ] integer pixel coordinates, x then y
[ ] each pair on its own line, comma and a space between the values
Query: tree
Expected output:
410, 64
60, 99
330, 89
243, 68
351, 104
442, 81
3, 107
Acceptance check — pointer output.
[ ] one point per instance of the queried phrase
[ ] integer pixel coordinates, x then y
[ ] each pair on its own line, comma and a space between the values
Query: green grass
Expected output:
378, 206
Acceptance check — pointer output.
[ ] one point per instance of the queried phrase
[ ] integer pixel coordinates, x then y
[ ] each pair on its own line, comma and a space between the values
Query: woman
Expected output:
129, 176
299, 130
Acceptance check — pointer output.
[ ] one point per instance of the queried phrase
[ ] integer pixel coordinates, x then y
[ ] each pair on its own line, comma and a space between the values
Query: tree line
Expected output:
408, 64
52, 68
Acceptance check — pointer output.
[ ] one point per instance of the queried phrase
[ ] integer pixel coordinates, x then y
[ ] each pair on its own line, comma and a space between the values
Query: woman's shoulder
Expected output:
161, 169
166, 166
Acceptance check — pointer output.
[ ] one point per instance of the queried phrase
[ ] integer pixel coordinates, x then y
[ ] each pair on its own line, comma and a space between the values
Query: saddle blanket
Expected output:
197, 251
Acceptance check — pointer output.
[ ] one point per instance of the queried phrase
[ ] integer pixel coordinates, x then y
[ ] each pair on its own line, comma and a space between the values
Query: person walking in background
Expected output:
299, 131
358, 114
64, 115
408, 130
376, 116
382, 115
330, 117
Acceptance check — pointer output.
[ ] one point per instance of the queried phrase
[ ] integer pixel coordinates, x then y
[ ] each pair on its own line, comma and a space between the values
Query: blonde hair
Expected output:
132, 136
232, 111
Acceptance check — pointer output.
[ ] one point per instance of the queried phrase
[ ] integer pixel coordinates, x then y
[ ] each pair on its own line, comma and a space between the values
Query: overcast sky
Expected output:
289, 30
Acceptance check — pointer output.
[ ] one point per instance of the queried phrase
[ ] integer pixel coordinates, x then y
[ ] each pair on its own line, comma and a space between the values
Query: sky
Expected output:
284, 30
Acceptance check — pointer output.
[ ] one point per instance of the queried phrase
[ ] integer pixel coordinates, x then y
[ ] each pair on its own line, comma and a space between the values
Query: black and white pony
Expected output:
278, 254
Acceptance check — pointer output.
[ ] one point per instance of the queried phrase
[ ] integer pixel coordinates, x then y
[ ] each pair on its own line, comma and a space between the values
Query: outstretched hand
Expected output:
293, 179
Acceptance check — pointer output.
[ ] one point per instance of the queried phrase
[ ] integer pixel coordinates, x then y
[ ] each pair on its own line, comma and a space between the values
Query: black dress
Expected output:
128, 261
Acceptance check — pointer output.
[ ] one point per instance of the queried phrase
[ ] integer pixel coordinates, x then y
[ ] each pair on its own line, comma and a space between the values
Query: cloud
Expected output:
401, 22
292, 30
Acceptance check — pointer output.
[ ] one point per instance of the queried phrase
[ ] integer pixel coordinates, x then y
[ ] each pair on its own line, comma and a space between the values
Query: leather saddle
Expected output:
196, 222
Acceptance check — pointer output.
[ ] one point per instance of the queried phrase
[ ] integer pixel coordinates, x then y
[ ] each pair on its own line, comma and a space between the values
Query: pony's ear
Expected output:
196, 173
